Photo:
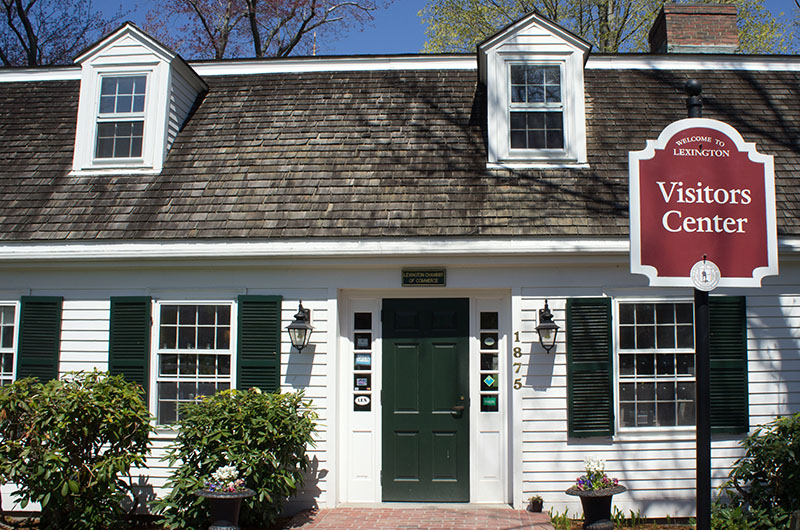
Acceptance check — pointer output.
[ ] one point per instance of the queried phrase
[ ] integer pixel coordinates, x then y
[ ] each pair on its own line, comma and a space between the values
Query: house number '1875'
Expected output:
517, 352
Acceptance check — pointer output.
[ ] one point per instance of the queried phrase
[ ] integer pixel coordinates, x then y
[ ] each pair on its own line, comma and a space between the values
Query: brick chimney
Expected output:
695, 28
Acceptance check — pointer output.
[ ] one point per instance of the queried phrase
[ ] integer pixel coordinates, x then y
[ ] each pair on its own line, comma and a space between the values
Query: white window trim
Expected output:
500, 154
155, 335
14, 349
154, 117
641, 433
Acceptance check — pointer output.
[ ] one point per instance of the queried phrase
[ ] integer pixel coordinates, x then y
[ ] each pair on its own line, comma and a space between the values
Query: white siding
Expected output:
181, 100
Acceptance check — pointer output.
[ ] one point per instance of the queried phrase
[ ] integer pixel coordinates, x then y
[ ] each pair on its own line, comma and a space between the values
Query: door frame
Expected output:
344, 466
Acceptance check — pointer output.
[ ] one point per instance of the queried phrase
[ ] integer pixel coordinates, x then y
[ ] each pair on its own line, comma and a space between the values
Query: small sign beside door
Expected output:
424, 278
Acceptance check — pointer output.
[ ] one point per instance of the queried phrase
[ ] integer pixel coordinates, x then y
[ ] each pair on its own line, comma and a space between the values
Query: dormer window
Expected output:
135, 97
536, 107
533, 72
120, 119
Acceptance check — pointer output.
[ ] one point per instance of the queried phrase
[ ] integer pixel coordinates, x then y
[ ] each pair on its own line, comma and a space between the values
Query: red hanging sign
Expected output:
702, 205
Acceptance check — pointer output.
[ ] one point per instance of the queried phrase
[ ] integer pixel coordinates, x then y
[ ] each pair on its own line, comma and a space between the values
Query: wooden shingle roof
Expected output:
367, 155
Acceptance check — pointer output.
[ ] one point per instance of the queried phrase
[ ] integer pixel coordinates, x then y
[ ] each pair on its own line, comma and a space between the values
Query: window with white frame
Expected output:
7, 334
536, 109
656, 364
193, 356
120, 116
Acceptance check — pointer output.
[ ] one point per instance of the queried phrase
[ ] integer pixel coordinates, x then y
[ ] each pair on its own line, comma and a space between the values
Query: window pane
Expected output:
686, 391
535, 94
122, 148
208, 365
362, 321
206, 389
167, 412
552, 75
555, 140
125, 85
8, 363
628, 414
627, 364
626, 392
665, 363
205, 338
627, 338
645, 364
206, 314
686, 414
8, 337
666, 414
124, 103
188, 364
626, 313
646, 392
665, 337
186, 338
187, 391
519, 139
488, 361
645, 414
665, 313
224, 315
106, 104
553, 94
223, 338
188, 314
223, 365
644, 314
169, 338
518, 120
108, 86
665, 391
645, 337
518, 74
489, 320
517, 94
168, 390
169, 364
138, 104
684, 313
536, 140
535, 120
685, 336
685, 362
169, 314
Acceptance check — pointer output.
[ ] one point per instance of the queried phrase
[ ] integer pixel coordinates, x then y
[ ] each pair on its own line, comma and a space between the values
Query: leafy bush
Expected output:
263, 435
67, 443
764, 486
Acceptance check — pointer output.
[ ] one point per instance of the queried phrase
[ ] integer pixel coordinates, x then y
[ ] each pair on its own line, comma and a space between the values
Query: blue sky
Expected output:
396, 29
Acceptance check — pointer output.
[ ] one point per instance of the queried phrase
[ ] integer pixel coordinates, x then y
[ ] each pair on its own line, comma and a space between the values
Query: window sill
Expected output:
116, 170
656, 434
537, 164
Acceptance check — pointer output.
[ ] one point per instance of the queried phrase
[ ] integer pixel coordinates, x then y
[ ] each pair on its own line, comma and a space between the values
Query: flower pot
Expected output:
225, 506
597, 506
535, 505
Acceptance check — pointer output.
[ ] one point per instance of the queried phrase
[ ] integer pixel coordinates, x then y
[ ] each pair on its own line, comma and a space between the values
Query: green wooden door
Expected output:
425, 436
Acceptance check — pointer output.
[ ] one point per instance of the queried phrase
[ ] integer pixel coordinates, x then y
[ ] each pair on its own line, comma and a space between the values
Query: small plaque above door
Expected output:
424, 278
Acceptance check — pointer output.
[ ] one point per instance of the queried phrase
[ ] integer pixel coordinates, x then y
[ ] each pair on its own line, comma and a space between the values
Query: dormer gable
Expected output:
533, 73
135, 96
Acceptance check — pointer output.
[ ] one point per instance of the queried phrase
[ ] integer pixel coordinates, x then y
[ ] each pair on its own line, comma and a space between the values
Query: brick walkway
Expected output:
422, 518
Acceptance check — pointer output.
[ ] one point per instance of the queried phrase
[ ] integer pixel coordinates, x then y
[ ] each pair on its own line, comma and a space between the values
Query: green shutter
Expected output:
39, 337
259, 345
589, 367
728, 352
129, 339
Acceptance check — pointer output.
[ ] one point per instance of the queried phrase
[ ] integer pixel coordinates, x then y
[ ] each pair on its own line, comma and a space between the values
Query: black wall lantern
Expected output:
300, 330
547, 329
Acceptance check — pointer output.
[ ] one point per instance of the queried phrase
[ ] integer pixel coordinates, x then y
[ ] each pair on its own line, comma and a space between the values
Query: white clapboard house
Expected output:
164, 219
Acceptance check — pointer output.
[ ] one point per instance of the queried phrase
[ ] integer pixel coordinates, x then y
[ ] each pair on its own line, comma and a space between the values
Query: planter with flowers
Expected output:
595, 490
225, 491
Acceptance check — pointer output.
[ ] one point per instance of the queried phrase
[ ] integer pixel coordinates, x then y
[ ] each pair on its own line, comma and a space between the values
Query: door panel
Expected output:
425, 440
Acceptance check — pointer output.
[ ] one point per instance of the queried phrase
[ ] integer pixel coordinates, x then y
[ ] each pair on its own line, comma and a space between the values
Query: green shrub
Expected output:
764, 486
263, 435
67, 443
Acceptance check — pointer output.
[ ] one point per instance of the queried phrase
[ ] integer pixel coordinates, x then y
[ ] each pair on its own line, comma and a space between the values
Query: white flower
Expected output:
225, 474
594, 466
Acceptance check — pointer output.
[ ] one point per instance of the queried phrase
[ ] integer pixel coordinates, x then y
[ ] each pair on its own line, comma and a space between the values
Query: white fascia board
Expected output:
676, 61
28, 75
334, 248
336, 64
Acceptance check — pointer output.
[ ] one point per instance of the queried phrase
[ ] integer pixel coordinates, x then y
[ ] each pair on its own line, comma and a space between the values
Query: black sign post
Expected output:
694, 104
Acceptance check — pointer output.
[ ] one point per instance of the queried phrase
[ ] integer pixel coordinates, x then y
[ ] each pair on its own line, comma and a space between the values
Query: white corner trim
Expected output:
116, 251
336, 64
